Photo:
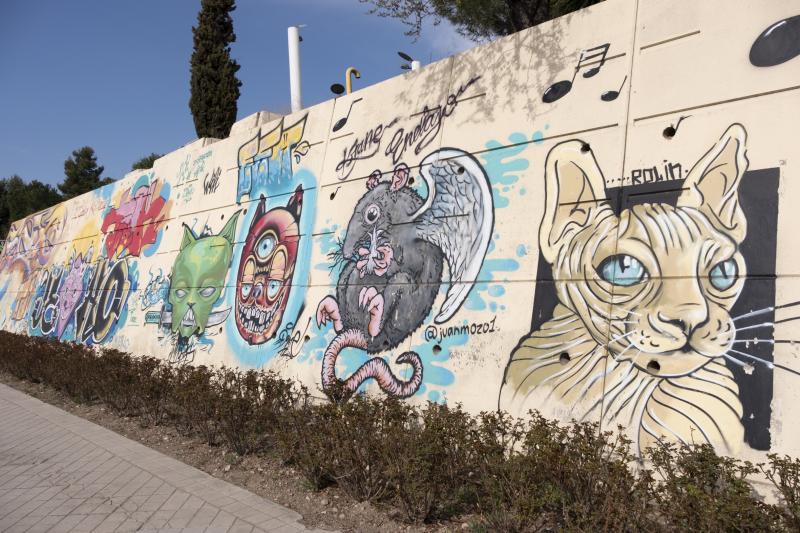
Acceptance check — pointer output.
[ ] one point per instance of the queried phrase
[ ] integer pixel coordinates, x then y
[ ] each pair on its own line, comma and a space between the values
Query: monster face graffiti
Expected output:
266, 268
197, 281
393, 259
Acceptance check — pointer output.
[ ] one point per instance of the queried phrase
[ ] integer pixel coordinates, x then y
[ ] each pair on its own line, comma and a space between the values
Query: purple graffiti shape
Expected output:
71, 290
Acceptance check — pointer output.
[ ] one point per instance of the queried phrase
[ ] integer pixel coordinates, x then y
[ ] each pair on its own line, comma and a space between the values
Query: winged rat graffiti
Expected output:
393, 257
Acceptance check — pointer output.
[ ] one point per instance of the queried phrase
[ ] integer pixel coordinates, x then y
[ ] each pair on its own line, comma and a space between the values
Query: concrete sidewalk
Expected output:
59, 472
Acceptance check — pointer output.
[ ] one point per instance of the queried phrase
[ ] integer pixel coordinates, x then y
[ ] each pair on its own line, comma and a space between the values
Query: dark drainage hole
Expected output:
437, 349
306, 338
669, 132
564, 358
653, 366
411, 180
585, 148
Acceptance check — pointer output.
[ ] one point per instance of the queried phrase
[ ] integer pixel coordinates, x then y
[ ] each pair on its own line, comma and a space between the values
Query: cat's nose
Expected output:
682, 320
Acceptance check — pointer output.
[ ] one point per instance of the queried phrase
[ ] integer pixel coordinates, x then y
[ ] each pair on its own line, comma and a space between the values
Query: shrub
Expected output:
358, 433
784, 473
154, 388
430, 462
249, 406
196, 402
116, 381
698, 490
571, 477
303, 440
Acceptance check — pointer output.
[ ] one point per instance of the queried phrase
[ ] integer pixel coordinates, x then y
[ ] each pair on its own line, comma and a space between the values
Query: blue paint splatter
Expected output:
504, 167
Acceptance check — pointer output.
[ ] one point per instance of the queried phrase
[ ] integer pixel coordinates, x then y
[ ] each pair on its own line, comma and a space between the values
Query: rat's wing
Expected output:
457, 216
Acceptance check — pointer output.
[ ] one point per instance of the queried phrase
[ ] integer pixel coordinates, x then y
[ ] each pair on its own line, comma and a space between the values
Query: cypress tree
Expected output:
214, 86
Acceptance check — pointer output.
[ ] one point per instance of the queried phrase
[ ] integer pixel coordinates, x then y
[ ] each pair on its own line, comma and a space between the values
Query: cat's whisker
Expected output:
755, 313
604, 320
732, 359
754, 341
768, 364
617, 339
754, 326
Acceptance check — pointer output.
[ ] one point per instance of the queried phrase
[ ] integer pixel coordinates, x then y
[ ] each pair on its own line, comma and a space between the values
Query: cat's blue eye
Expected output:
723, 275
622, 269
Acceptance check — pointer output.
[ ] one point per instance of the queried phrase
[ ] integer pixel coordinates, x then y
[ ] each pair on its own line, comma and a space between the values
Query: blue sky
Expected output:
114, 75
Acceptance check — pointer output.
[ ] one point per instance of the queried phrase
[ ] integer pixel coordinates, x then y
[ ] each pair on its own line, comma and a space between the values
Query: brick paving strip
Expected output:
60, 473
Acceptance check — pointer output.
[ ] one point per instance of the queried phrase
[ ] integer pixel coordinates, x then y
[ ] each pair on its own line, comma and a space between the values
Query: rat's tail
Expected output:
375, 368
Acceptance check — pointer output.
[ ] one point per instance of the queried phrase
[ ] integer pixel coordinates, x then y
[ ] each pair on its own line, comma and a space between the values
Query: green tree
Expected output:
146, 162
19, 199
82, 174
214, 85
477, 20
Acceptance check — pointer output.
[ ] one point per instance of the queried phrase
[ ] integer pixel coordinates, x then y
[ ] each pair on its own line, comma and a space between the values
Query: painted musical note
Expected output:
342, 121
670, 131
777, 44
589, 56
333, 194
609, 96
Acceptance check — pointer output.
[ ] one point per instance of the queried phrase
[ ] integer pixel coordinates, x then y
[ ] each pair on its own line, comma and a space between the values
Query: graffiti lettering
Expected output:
45, 311
266, 159
103, 303
427, 127
362, 148
211, 181
432, 333
669, 172
134, 224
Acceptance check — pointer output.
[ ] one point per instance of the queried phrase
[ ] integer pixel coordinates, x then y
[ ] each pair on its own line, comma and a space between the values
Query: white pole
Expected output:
415, 65
294, 68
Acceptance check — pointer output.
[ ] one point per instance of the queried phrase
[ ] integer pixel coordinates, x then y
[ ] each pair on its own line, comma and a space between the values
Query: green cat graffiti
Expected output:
198, 277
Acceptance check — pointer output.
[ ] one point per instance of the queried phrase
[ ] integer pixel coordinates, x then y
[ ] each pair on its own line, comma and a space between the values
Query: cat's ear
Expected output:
712, 186
188, 236
229, 231
574, 186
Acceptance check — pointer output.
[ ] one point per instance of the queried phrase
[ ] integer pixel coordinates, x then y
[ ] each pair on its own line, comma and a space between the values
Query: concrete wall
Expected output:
511, 226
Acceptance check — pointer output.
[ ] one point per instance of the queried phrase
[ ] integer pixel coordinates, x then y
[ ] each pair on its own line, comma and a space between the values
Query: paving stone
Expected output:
62, 473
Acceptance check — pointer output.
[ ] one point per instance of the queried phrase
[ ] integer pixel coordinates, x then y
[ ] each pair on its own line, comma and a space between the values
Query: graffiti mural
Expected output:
136, 221
265, 269
28, 249
265, 161
393, 259
658, 294
643, 340
196, 285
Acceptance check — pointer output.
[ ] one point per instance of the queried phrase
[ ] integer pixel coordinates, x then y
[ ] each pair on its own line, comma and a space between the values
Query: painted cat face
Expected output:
198, 277
266, 268
658, 280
